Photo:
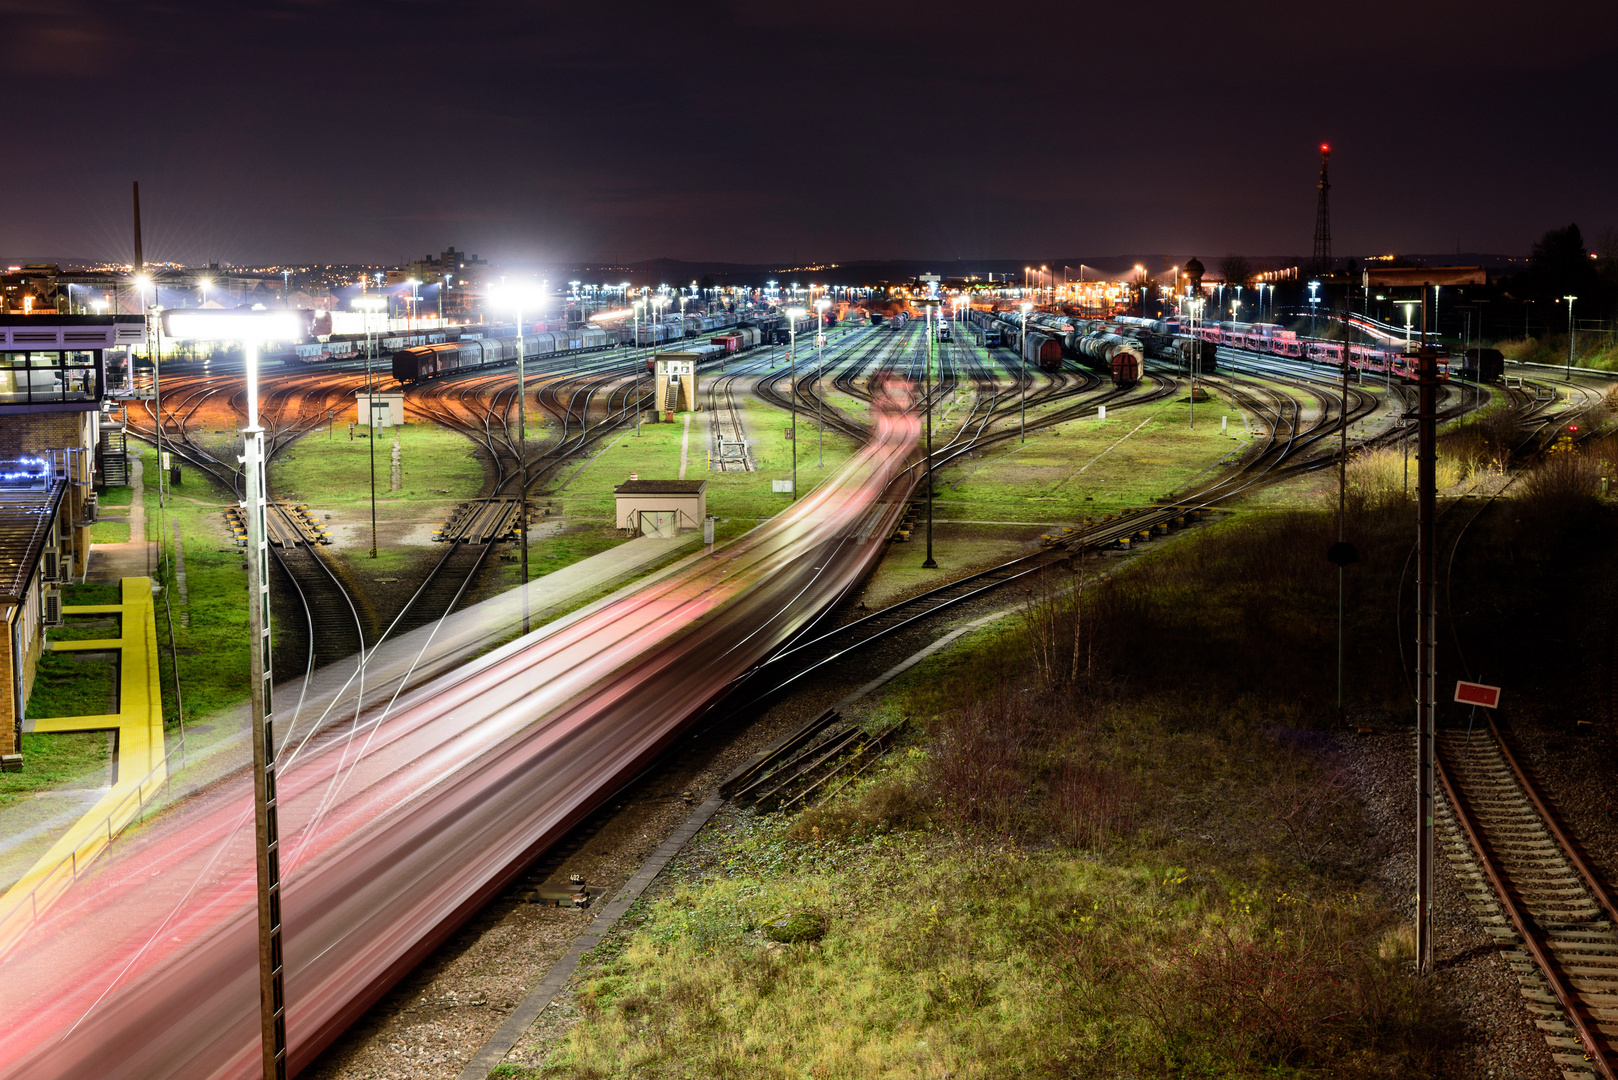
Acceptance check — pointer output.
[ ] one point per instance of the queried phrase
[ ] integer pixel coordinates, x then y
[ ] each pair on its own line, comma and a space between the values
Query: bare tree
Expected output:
1236, 269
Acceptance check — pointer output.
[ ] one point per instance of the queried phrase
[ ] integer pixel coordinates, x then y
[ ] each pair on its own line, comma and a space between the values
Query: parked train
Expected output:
1389, 360
1046, 337
430, 361
734, 341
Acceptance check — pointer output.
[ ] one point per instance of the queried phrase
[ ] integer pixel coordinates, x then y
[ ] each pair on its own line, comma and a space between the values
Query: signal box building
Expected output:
58, 440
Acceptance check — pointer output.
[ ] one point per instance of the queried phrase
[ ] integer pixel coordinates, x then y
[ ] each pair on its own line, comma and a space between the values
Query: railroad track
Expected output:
1553, 918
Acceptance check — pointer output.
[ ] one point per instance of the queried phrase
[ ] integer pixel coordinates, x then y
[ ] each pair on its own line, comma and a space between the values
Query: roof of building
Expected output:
661, 487
25, 523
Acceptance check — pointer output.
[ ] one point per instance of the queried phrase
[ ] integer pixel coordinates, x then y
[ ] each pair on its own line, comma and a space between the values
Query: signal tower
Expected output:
1322, 259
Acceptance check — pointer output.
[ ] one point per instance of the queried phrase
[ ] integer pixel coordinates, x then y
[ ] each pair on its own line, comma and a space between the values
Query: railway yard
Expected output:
994, 808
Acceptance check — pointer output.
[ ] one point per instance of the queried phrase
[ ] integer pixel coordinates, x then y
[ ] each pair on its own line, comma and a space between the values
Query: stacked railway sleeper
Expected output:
1552, 917
809, 764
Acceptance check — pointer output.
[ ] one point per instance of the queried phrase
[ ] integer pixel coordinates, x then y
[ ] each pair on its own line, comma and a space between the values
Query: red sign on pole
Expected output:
1471, 693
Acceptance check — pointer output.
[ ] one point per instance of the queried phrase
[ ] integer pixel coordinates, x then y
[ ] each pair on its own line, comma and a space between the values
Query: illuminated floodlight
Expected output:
796, 313
369, 303
518, 295
196, 325
1027, 306
822, 303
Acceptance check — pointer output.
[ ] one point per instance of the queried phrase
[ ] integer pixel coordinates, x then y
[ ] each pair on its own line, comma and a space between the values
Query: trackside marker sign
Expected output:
1471, 693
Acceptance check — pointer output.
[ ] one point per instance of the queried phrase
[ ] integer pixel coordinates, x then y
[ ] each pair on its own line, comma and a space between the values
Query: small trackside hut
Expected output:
661, 507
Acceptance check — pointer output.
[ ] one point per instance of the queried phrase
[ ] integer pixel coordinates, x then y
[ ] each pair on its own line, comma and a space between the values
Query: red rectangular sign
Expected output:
1471, 693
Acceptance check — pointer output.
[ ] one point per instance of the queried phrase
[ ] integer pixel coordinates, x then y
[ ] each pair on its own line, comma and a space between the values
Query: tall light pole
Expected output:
793, 315
1022, 371
932, 310
820, 367
368, 305
516, 297
640, 366
252, 328
1314, 287
1570, 332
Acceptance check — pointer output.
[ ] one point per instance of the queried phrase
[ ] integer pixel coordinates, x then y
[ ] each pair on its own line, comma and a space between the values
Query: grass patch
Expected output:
934, 957
1088, 466
74, 684
437, 464
655, 454
212, 626
54, 760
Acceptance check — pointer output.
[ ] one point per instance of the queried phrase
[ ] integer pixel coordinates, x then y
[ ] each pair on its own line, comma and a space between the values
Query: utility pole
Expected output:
1426, 639
1570, 300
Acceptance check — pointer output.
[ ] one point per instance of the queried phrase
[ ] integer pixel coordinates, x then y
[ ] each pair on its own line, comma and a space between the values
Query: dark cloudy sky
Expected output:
378, 130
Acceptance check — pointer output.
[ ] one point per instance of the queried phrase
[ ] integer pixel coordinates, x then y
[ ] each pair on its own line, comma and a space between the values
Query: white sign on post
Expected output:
1101, 412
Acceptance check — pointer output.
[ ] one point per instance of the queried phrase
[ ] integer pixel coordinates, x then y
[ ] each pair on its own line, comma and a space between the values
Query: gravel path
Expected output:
1501, 1040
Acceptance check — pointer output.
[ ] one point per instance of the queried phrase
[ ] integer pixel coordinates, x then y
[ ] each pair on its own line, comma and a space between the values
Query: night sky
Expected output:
370, 131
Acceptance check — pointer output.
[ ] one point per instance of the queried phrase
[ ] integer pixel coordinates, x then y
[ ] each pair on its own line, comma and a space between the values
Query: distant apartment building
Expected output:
452, 277
60, 437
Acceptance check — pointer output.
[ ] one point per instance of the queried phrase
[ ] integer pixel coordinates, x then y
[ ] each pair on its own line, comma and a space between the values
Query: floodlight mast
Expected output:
251, 328
368, 306
516, 299
793, 315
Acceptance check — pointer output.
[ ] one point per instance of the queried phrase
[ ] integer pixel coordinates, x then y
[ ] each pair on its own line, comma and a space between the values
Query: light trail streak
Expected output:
146, 968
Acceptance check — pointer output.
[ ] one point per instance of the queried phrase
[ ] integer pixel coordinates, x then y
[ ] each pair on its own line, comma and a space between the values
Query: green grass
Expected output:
215, 620
1081, 468
958, 549
55, 760
655, 454
65, 685
437, 466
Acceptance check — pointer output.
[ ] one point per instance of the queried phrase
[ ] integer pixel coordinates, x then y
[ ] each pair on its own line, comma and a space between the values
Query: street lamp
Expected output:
252, 328
1570, 331
415, 299
793, 315
635, 358
932, 309
516, 297
1022, 372
205, 282
1314, 287
820, 363
368, 306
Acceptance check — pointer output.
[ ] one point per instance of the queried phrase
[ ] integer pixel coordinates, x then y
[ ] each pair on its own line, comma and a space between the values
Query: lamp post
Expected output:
820, 366
1022, 372
793, 315
1570, 332
639, 366
251, 329
932, 310
368, 305
1314, 287
516, 297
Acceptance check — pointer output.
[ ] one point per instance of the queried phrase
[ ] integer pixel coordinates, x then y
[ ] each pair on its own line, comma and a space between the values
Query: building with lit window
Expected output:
61, 436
